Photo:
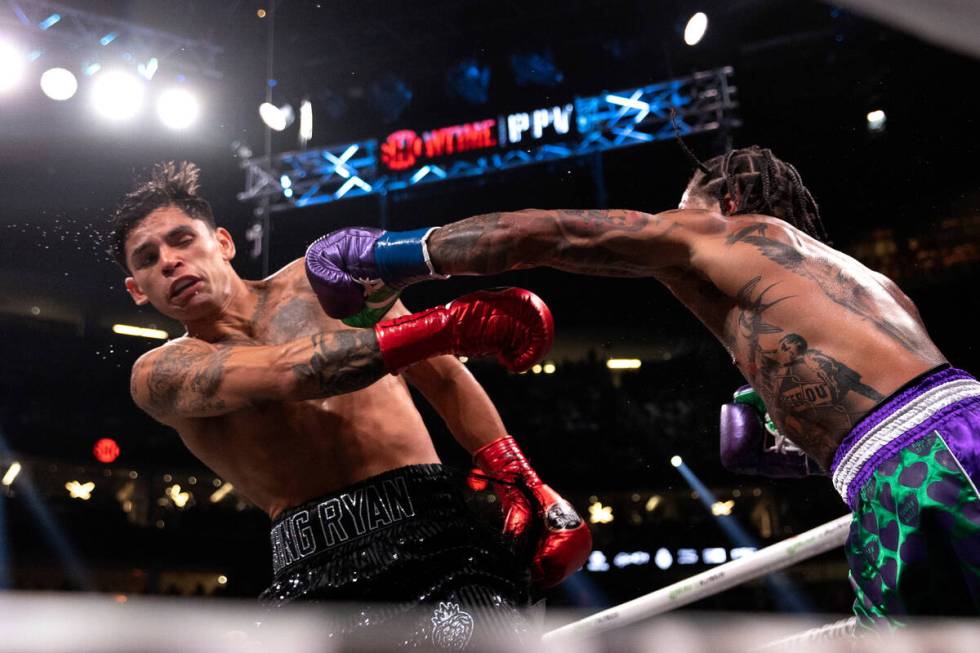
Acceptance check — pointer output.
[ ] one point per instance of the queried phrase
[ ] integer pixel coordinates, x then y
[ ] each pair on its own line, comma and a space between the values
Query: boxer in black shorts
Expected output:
305, 415
405, 548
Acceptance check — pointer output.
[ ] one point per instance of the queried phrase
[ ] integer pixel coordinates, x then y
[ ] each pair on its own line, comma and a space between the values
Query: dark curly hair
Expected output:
169, 184
758, 182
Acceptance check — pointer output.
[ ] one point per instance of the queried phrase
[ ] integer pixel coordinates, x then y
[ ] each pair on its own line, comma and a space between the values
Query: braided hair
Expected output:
758, 182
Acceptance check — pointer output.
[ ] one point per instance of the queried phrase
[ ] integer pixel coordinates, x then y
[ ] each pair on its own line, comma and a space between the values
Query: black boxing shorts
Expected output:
402, 548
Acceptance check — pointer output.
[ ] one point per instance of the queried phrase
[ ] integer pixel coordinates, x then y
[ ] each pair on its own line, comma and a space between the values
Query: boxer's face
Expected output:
179, 265
694, 200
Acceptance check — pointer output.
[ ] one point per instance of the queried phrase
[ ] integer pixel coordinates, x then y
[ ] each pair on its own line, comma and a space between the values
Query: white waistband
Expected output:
902, 420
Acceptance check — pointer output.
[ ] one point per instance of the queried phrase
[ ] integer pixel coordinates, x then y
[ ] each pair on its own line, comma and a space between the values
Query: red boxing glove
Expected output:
563, 541
512, 323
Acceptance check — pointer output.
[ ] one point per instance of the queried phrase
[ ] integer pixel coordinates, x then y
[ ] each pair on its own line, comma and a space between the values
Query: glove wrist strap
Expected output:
402, 257
411, 338
503, 456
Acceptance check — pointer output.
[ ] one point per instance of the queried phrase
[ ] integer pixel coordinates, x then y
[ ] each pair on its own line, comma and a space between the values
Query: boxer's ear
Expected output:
728, 204
134, 291
225, 242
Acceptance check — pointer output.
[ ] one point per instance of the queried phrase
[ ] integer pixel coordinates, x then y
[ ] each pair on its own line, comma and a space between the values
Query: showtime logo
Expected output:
404, 148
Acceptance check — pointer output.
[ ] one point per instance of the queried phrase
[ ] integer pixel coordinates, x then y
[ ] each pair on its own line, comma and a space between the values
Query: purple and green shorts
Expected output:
909, 472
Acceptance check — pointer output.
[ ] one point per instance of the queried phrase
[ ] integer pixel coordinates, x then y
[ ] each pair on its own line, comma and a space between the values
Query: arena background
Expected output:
902, 199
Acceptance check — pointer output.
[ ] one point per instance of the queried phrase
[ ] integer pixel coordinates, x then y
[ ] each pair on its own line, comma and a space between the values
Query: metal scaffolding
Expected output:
90, 33
703, 102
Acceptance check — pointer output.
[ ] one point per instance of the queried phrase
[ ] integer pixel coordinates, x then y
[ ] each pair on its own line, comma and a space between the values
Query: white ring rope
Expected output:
843, 628
772, 558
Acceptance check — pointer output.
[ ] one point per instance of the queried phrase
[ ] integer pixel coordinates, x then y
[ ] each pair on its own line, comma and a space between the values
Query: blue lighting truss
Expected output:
91, 33
703, 102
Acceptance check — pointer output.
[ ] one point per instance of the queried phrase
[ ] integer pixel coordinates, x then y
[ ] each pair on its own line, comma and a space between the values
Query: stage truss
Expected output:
704, 102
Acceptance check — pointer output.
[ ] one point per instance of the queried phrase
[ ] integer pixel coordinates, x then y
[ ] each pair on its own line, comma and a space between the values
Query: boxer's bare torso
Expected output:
282, 453
820, 336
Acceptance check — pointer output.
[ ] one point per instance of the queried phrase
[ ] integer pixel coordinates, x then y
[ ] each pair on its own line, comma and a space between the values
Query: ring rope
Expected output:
843, 628
772, 558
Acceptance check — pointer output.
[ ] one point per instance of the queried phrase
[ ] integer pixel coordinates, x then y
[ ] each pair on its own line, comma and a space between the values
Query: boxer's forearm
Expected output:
609, 243
459, 399
334, 363
192, 378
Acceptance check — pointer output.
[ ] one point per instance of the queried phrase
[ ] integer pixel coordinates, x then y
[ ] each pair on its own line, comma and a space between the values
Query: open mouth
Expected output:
183, 286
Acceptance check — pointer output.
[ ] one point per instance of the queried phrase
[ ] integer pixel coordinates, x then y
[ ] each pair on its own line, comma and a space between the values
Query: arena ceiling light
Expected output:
11, 474
276, 118
11, 66
305, 123
696, 26
177, 108
59, 83
142, 332
117, 95
77, 490
624, 363
876, 120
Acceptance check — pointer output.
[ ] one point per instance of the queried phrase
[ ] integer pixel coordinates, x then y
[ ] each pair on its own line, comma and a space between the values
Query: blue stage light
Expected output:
535, 69
391, 96
469, 81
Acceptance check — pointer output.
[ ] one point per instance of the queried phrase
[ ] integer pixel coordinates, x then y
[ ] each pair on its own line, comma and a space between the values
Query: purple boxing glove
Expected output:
357, 272
341, 269
750, 443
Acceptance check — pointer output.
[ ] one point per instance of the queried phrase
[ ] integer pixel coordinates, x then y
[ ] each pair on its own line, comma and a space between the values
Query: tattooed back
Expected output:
820, 336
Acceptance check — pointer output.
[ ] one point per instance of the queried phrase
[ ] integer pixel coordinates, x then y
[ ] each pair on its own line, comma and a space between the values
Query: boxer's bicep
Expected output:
185, 380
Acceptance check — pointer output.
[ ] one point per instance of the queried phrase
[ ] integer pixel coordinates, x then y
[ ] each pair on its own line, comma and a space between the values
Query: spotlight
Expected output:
470, 81
11, 474
676, 461
696, 26
722, 508
623, 363
177, 108
77, 490
276, 118
58, 83
175, 494
149, 69
129, 330
876, 120
535, 69
305, 123
221, 492
11, 66
117, 95
600, 514
391, 96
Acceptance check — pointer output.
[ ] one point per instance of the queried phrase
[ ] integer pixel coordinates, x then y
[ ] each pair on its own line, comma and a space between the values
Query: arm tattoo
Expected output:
207, 380
835, 283
186, 379
342, 362
610, 243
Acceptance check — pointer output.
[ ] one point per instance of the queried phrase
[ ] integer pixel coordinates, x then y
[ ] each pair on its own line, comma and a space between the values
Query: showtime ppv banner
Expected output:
405, 149
701, 102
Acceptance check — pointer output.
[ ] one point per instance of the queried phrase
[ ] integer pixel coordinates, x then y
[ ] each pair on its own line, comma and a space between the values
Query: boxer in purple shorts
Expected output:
824, 341
909, 470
